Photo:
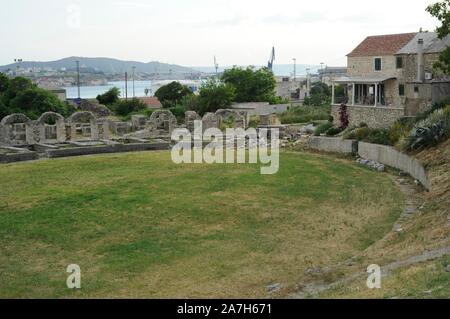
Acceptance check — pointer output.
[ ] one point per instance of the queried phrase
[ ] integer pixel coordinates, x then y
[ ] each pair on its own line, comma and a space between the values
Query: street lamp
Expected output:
295, 68
134, 70
78, 80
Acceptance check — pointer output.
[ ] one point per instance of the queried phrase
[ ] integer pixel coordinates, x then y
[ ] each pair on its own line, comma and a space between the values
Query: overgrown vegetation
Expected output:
251, 85
126, 107
409, 134
441, 11
171, 94
305, 114
110, 97
20, 95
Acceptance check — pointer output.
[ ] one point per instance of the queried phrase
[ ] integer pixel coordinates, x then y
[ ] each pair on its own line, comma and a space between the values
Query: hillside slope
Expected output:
106, 65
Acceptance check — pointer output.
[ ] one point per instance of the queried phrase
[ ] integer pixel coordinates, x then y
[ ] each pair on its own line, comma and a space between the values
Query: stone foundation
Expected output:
374, 117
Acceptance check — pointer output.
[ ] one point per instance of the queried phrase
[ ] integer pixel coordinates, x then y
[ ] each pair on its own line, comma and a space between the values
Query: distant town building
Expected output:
330, 73
392, 76
151, 102
293, 91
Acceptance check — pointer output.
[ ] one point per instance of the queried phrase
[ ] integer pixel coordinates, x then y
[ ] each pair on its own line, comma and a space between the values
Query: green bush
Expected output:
305, 114
334, 131
399, 130
147, 112
179, 112
110, 97
254, 122
124, 107
369, 135
322, 129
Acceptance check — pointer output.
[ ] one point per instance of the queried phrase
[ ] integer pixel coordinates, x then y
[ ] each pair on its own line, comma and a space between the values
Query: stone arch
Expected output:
82, 126
163, 120
13, 129
50, 128
210, 120
231, 117
190, 118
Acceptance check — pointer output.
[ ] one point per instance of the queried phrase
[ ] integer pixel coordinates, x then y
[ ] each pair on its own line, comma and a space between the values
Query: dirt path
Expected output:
413, 203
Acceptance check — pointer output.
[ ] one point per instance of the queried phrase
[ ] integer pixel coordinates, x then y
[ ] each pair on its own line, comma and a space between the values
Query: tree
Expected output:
169, 95
251, 85
320, 94
34, 101
441, 11
124, 108
215, 95
20, 95
4, 82
110, 97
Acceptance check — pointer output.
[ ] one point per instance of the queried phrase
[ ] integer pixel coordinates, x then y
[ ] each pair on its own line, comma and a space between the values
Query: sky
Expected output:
192, 32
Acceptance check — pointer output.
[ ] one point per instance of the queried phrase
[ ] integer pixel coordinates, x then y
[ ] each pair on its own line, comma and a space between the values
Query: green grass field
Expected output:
140, 226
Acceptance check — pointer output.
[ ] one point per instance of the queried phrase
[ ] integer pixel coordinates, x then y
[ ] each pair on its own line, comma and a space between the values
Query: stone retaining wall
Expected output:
107, 149
333, 145
18, 157
382, 154
391, 157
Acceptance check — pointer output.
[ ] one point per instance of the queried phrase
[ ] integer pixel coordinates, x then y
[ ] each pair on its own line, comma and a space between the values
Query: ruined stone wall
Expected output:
375, 117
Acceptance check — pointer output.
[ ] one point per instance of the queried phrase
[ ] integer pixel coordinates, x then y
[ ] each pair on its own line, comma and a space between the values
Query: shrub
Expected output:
333, 131
369, 135
430, 131
110, 97
254, 122
343, 116
399, 130
305, 114
321, 129
179, 112
125, 107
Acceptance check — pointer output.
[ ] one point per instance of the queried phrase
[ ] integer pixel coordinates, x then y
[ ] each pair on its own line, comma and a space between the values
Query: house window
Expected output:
416, 89
377, 63
399, 62
401, 90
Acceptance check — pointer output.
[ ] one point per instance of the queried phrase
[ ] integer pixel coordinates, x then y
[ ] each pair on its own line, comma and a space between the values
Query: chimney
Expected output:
420, 68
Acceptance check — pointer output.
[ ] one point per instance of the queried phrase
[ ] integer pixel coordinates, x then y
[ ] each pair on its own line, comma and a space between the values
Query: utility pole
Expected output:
216, 66
308, 81
295, 68
78, 79
126, 86
134, 70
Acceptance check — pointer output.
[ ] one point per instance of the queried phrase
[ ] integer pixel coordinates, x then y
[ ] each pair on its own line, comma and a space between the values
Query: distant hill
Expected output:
105, 65
278, 69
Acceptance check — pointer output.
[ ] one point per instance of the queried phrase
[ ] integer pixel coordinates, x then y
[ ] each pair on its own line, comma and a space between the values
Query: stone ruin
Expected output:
13, 129
232, 118
220, 119
269, 120
162, 121
52, 128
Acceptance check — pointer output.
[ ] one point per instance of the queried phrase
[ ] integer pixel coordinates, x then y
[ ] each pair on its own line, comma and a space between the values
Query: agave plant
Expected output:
426, 136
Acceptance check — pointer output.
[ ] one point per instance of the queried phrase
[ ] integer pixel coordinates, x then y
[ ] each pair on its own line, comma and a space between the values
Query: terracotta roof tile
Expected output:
151, 102
382, 45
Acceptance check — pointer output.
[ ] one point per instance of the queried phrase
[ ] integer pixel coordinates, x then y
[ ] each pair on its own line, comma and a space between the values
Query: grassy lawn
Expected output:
140, 226
422, 281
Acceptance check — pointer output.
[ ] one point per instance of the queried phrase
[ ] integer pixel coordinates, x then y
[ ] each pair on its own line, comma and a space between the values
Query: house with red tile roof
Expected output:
391, 76
152, 102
